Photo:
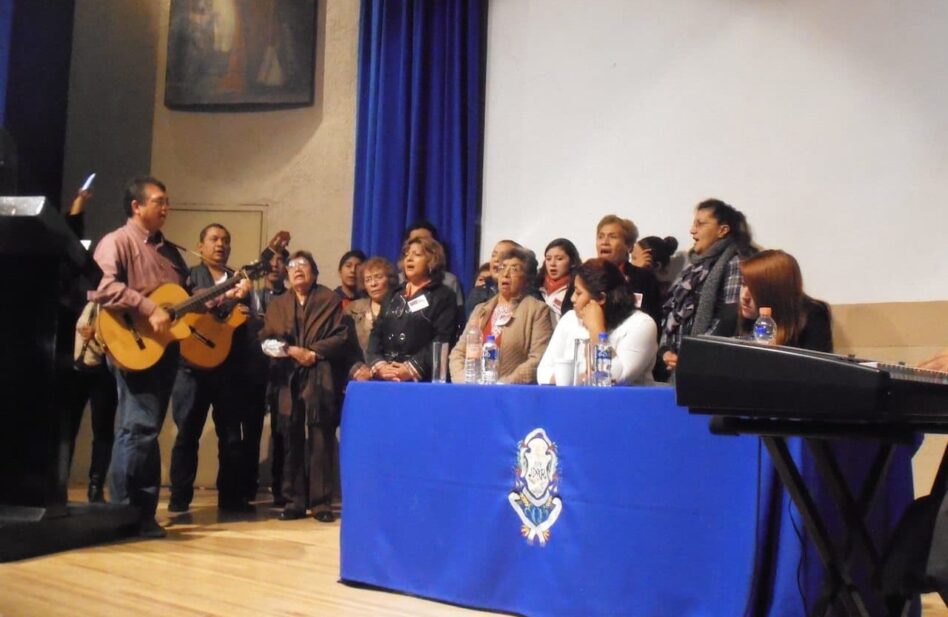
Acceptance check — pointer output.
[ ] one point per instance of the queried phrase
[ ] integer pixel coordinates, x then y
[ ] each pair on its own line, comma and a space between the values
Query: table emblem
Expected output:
535, 497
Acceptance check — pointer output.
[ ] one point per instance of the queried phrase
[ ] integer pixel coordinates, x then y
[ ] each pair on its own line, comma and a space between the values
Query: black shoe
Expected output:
292, 514
178, 506
324, 516
149, 528
95, 493
279, 500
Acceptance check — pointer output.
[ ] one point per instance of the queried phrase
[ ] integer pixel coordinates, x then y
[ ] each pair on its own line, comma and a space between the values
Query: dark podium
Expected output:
41, 263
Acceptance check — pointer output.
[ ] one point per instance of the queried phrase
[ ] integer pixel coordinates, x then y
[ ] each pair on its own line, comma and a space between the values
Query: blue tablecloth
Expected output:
656, 516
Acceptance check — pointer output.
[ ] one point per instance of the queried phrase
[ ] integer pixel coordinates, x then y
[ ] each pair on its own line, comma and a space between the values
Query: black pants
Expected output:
277, 454
194, 393
97, 387
307, 461
252, 428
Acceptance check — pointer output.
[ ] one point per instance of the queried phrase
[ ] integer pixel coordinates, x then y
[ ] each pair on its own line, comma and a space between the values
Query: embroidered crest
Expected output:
535, 497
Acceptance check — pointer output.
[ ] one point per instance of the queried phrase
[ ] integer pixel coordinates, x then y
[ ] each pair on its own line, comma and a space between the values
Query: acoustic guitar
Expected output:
205, 338
135, 346
211, 337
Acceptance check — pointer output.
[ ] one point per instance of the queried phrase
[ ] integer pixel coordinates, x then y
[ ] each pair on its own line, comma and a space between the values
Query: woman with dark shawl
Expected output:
305, 331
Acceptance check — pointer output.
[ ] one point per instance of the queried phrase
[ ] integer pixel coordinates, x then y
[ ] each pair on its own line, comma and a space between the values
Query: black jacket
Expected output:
401, 334
644, 281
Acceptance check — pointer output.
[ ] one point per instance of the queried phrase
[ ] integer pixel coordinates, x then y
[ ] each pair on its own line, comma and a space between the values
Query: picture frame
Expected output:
240, 54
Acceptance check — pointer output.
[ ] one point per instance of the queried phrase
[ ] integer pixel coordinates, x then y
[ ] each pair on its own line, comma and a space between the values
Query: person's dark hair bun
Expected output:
662, 249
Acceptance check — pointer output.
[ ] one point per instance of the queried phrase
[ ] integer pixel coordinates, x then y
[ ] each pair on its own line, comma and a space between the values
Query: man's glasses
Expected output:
296, 263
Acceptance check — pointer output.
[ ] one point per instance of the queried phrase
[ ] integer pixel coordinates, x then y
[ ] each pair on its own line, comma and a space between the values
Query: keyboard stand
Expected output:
840, 558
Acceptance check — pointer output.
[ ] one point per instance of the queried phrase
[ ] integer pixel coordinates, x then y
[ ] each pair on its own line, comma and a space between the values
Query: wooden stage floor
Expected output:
210, 565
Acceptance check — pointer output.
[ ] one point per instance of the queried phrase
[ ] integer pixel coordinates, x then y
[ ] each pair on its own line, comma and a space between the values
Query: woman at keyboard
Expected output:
772, 278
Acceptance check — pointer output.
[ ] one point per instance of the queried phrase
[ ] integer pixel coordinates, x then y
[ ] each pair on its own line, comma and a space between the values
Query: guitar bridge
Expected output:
131, 328
202, 338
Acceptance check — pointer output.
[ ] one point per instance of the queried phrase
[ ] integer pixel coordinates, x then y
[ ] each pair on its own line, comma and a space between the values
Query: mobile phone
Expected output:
88, 183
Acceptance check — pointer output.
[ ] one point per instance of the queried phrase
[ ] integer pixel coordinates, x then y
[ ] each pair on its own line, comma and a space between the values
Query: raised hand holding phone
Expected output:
87, 185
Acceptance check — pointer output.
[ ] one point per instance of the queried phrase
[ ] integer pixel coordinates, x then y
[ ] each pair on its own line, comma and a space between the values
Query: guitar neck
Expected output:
197, 301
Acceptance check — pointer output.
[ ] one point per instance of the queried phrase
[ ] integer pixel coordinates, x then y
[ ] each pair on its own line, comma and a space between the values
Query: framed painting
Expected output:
240, 54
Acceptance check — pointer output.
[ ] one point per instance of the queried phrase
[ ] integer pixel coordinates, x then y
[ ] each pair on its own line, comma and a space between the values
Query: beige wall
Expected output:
111, 95
299, 162
296, 166
898, 332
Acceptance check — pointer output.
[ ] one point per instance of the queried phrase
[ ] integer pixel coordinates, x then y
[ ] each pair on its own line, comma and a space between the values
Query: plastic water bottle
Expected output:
765, 328
602, 371
472, 355
489, 357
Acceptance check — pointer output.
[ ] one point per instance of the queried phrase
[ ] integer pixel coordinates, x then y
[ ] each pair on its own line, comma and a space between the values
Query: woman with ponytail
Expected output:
710, 281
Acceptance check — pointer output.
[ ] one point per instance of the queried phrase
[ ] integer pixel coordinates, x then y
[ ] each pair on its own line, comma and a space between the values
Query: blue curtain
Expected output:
419, 137
6, 30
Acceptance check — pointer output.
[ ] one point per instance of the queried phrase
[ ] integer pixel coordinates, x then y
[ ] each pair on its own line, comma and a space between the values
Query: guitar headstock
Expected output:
255, 270
260, 267
279, 241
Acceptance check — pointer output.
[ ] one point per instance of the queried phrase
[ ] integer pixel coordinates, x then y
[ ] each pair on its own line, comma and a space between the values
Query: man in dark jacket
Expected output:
221, 387
615, 238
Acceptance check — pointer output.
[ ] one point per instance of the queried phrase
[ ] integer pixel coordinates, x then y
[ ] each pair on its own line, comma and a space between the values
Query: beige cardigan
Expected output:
361, 312
523, 341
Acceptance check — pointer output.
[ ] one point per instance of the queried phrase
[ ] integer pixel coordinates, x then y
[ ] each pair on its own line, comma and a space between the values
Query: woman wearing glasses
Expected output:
521, 324
377, 277
305, 333
418, 312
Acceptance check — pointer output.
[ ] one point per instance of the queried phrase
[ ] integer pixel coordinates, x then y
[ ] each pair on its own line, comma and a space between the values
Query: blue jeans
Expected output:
142, 405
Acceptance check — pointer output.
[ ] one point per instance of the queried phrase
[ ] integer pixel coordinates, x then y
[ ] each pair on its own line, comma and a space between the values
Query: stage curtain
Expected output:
419, 135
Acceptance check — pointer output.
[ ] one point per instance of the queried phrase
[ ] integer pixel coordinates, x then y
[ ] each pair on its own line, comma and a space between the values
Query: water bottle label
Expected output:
490, 354
472, 352
762, 331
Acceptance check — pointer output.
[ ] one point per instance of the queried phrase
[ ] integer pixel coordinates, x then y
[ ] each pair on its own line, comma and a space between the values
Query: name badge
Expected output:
419, 303
638, 299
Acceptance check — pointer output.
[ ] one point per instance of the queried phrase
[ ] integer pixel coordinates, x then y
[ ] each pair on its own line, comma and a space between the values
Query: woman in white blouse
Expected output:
602, 303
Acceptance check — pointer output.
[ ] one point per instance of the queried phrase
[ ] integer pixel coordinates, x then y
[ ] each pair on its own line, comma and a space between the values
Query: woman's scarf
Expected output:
695, 294
552, 285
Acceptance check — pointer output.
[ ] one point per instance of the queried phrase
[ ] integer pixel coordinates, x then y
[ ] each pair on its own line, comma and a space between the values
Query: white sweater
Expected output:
634, 341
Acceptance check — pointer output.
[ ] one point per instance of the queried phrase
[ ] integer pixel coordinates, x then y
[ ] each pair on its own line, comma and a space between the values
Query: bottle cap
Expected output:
765, 311
490, 338
603, 337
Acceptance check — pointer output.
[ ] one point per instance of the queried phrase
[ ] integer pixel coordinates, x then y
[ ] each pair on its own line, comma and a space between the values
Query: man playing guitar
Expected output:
135, 259
196, 390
